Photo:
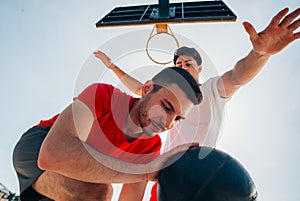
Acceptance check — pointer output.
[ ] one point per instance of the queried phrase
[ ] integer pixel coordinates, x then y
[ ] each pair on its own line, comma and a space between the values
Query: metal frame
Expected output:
165, 13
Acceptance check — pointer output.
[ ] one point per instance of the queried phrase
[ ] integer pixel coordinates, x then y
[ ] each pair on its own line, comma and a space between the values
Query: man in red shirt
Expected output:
105, 136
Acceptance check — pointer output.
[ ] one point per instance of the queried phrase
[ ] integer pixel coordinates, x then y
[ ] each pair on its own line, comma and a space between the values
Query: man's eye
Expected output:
168, 110
178, 118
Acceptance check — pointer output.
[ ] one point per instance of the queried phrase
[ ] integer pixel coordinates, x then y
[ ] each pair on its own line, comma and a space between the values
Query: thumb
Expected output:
250, 30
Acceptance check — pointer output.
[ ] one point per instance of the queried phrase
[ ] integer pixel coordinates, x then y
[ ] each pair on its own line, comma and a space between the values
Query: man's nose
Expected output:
184, 67
169, 122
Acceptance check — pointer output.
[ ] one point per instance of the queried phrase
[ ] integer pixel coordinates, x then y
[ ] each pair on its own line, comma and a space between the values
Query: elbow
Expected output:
47, 159
138, 92
43, 163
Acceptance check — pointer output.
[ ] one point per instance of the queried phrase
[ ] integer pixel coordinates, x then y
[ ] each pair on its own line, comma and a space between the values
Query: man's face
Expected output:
160, 110
189, 64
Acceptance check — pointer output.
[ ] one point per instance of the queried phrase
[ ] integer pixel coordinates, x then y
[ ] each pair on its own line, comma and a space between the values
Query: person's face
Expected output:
189, 64
160, 110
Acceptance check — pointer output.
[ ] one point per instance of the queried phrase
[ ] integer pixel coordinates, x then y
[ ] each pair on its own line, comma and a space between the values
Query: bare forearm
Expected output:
247, 68
99, 168
133, 191
63, 152
131, 83
71, 157
242, 73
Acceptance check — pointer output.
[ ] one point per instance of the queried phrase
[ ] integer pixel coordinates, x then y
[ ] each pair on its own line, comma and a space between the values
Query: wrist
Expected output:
261, 54
112, 66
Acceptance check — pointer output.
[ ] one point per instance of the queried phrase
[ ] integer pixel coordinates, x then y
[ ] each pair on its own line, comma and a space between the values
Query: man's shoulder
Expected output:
115, 95
98, 92
106, 89
211, 80
209, 84
103, 86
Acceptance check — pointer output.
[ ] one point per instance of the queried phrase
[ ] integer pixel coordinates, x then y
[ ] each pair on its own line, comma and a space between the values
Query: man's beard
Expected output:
143, 119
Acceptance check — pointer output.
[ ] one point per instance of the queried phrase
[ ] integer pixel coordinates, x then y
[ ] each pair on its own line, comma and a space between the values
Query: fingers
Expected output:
289, 18
99, 53
277, 18
295, 25
250, 30
104, 58
182, 148
194, 144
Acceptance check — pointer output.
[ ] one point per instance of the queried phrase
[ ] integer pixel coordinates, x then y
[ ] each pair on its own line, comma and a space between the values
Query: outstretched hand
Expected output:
104, 58
277, 35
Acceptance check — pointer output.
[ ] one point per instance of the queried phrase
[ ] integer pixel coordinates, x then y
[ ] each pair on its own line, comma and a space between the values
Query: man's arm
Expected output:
133, 191
274, 38
131, 83
65, 152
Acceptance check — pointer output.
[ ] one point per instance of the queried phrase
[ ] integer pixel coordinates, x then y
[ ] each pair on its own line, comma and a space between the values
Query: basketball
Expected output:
216, 177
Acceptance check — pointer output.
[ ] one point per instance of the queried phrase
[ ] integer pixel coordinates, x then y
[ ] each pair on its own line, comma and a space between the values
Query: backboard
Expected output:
165, 13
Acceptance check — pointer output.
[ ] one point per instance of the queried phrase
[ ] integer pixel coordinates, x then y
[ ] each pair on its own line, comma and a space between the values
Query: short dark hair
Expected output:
180, 77
189, 52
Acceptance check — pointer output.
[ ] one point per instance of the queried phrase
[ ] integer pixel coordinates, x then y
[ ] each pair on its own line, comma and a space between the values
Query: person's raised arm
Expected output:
131, 83
274, 38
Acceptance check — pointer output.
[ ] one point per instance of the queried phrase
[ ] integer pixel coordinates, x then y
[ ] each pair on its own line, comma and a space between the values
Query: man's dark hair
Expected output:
180, 77
189, 52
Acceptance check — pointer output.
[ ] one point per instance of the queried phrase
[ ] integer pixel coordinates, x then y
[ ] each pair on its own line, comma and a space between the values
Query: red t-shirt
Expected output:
110, 108
154, 192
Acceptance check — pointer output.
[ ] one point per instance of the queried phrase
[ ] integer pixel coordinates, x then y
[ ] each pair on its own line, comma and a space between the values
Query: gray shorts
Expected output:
25, 156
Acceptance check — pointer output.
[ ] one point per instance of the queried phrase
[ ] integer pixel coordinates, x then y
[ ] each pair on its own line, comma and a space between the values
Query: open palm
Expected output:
277, 35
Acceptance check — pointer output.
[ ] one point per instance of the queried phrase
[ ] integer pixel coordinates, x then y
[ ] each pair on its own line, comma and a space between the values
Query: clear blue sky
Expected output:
44, 45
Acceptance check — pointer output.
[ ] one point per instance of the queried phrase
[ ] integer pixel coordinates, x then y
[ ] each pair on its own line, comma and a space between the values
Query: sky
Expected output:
46, 47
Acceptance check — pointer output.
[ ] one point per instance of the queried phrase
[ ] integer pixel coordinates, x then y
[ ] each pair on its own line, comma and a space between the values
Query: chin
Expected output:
149, 133
153, 134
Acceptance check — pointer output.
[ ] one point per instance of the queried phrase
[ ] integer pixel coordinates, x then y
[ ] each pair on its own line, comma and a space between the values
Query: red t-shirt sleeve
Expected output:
97, 97
49, 122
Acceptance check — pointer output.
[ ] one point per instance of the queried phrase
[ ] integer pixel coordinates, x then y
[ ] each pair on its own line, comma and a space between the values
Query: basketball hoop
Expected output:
161, 29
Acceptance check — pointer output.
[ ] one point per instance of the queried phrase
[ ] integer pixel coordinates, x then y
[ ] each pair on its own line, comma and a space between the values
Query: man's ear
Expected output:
199, 69
147, 87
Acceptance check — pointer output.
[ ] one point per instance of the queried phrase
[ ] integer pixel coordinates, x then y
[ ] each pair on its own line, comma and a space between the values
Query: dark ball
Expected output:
215, 177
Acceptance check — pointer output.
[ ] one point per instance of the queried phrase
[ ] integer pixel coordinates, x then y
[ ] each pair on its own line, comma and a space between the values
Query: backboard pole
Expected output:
163, 8
163, 13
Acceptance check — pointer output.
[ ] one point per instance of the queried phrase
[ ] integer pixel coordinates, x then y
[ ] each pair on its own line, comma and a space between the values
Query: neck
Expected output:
132, 127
